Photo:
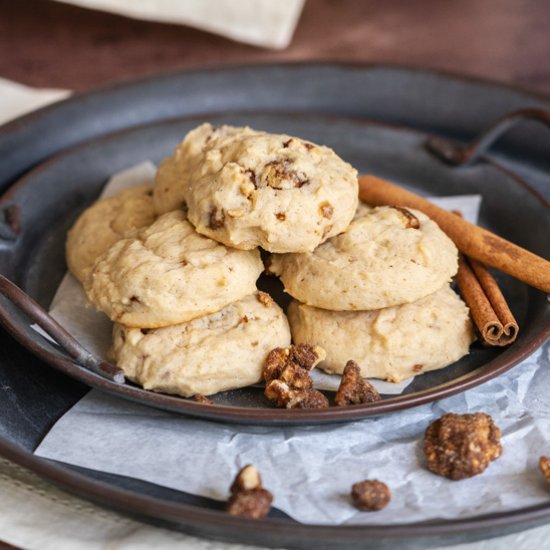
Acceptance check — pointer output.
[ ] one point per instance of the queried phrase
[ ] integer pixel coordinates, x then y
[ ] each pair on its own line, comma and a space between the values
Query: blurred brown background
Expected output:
44, 43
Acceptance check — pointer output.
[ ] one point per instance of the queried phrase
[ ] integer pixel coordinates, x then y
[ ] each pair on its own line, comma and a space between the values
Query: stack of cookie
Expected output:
175, 265
379, 293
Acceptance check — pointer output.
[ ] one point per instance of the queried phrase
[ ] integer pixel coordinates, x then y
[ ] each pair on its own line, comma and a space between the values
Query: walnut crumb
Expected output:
544, 465
458, 446
308, 399
285, 396
217, 219
300, 356
264, 298
354, 389
247, 479
286, 373
199, 398
279, 174
410, 220
248, 498
326, 209
370, 495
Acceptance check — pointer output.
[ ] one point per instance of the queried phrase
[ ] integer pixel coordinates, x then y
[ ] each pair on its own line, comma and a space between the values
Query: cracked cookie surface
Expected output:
168, 273
386, 257
217, 352
246, 188
104, 223
392, 343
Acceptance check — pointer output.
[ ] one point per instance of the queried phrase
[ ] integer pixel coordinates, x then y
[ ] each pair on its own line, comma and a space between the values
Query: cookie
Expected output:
393, 343
104, 223
217, 352
167, 273
175, 172
246, 188
387, 256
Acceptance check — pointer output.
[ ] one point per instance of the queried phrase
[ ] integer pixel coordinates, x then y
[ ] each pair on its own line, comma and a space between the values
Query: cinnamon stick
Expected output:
472, 240
490, 312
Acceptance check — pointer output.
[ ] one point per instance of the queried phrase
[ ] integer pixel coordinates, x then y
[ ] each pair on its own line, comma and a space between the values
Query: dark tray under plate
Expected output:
66, 152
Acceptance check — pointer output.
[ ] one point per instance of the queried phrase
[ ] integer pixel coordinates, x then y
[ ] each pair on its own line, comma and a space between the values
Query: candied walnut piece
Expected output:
296, 377
290, 361
275, 362
308, 399
326, 210
247, 479
354, 389
306, 355
248, 498
458, 446
544, 465
253, 504
411, 221
199, 398
284, 396
278, 392
217, 219
370, 495
286, 373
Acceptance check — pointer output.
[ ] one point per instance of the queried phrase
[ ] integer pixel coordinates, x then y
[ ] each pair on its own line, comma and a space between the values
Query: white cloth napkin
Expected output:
266, 23
17, 99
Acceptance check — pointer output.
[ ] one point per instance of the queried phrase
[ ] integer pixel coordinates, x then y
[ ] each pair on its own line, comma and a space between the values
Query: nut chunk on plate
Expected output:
458, 446
353, 389
370, 495
248, 498
288, 383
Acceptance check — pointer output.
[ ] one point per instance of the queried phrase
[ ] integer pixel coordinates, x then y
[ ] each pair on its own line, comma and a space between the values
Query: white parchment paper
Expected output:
309, 469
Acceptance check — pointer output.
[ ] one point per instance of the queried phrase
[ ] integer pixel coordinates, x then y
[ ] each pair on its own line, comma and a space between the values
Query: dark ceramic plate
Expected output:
50, 197
63, 155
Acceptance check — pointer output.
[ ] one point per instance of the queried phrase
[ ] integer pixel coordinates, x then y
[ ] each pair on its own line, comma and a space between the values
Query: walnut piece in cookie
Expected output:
410, 220
544, 465
370, 495
458, 446
200, 398
264, 298
354, 389
248, 498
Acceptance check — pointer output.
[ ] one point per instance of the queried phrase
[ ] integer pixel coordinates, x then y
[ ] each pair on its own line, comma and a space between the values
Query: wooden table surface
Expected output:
45, 43
50, 44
